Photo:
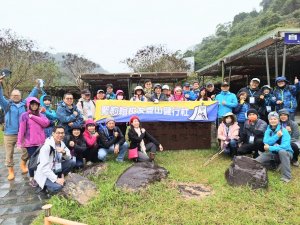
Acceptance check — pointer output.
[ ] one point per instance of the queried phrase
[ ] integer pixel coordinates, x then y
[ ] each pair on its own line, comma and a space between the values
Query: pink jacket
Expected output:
31, 130
91, 140
232, 134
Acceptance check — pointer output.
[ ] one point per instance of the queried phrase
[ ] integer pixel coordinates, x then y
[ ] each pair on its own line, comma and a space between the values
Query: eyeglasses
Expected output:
59, 133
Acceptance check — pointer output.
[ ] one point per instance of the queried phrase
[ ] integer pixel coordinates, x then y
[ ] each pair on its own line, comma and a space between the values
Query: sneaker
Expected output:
295, 163
33, 183
286, 180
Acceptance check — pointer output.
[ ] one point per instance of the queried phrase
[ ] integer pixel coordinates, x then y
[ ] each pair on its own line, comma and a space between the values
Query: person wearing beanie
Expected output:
91, 137
277, 146
267, 102
86, 106
139, 94
293, 129
228, 134
253, 93
110, 95
241, 110
227, 100
46, 109
285, 95
111, 141
141, 139
251, 139
77, 145
158, 96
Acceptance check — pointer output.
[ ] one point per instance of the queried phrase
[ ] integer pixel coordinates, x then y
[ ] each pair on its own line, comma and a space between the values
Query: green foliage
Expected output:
161, 202
245, 28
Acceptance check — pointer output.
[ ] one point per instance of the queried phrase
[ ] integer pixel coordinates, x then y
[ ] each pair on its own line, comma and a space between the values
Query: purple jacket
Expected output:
31, 130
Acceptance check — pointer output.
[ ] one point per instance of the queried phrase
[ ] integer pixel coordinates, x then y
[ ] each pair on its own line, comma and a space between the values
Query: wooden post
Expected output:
284, 60
267, 67
229, 79
223, 70
276, 60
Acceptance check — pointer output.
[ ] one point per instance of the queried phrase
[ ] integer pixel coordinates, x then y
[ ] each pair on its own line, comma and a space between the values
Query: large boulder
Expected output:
247, 171
79, 188
140, 175
94, 170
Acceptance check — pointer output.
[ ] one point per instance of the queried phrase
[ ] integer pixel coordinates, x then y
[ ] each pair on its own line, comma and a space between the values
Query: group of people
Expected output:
261, 121
69, 137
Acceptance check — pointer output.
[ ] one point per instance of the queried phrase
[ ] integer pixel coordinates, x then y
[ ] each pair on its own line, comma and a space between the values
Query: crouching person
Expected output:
138, 137
228, 134
54, 162
111, 140
277, 145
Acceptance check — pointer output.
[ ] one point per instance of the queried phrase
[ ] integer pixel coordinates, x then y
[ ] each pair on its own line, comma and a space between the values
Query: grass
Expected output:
1, 137
161, 203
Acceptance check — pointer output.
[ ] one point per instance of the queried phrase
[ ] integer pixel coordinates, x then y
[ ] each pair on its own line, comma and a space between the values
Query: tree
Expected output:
157, 59
78, 65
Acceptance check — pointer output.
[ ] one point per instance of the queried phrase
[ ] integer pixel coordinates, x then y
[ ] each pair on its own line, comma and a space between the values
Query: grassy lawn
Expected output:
1, 137
161, 203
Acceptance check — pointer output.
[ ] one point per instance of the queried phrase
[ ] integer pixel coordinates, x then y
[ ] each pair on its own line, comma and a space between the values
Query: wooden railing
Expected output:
48, 220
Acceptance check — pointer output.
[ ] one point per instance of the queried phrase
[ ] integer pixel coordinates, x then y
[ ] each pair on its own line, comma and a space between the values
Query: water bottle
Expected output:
41, 83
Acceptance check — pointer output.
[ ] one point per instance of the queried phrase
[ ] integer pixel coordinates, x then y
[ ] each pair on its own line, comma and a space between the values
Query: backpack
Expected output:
34, 159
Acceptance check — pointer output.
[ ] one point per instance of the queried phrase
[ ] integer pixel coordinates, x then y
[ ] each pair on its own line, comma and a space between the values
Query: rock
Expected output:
247, 171
79, 188
140, 175
194, 191
95, 169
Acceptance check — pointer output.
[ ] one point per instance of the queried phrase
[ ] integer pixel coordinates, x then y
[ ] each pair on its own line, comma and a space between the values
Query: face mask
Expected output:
120, 97
252, 118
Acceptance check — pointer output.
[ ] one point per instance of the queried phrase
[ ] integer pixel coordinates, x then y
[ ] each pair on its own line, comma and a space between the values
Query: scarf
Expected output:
142, 144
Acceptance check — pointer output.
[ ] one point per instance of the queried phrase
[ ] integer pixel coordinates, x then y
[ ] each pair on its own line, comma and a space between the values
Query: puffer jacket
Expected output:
257, 130
288, 96
31, 132
13, 111
276, 144
51, 116
233, 132
231, 102
241, 111
269, 100
252, 93
65, 115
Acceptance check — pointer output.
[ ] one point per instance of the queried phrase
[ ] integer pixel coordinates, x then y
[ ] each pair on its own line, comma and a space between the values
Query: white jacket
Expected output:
44, 168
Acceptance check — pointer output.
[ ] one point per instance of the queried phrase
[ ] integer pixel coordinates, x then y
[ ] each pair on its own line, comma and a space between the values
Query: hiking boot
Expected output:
11, 173
23, 167
33, 183
286, 180
295, 163
152, 156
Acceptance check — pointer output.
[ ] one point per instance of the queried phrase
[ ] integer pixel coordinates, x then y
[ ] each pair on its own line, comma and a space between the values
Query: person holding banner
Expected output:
158, 95
111, 140
110, 95
139, 94
178, 94
138, 137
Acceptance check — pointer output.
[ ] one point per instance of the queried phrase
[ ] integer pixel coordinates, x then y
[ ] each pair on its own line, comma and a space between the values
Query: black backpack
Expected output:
33, 162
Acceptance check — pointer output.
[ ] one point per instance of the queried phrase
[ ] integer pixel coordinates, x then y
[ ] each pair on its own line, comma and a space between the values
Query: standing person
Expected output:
110, 95
251, 140
267, 102
212, 91
31, 132
120, 95
228, 134
178, 94
54, 159
138, 137
139, 94
86, 106
188, 93
13, 108
227, 100
203, 95
91, 137
293, 129
45, 101
286, 95
158, 95
111, 140
148, 89
277, 146
77, 145
68, 113
100, 95
253, 93
241, 110
196, 88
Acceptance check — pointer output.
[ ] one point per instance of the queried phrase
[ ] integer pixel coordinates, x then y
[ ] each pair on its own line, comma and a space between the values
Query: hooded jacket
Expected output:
252, 93
232, 133
135, 139
294, 128
257, 130
107, 139
51, 116
13, 111
176, 97
79, 147
91, 140
31, 131
231, 102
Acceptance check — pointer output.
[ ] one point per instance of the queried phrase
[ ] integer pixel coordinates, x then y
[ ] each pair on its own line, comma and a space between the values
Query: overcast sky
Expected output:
107, 32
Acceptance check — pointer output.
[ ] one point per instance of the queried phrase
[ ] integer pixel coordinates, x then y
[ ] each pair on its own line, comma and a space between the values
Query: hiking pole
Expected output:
213, 157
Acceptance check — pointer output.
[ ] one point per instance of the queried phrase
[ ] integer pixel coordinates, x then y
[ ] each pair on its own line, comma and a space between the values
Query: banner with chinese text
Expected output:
187, 111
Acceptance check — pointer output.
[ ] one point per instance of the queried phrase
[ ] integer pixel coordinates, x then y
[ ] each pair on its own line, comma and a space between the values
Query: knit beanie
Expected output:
252, 111
273, 114
108, 119
133, 118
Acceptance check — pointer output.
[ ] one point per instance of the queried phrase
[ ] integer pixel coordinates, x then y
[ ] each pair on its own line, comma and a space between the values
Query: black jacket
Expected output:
135, 140
79, 147
107, 139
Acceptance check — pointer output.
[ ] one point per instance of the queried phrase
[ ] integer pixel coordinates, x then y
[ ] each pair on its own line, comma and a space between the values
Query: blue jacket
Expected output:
276, 143
14, 111
231, 102
192, 95
288, 96
240, 111
110, 96
51, 115
65, 115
